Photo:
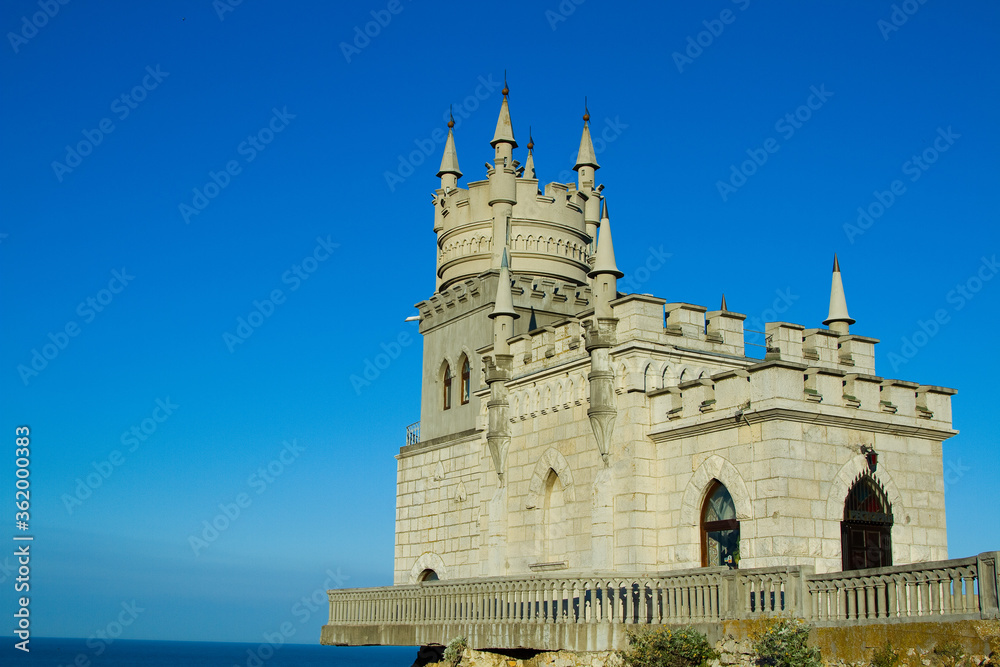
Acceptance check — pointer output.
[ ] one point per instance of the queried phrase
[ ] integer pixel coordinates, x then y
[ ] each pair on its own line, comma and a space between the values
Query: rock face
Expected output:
524, 658
733, 651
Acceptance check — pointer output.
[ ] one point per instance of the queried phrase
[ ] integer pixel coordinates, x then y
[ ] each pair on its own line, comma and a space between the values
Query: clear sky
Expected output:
167, 165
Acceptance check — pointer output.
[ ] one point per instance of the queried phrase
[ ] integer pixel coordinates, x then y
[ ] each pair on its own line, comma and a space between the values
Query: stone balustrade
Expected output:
593, 612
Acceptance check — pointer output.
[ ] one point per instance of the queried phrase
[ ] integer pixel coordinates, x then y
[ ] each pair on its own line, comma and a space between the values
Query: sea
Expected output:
48, 652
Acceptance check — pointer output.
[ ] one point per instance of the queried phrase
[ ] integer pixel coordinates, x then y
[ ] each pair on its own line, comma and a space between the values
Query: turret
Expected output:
586, 168
449, 173
529, 164
503, 314
838, 320
503, 180
605, 273
499, 370
601, 338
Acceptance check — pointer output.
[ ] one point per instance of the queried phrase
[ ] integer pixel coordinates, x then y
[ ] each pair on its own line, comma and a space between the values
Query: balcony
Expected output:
413, 433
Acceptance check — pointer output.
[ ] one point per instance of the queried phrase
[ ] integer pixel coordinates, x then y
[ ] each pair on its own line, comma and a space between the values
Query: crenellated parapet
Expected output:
528, 292
810, 393
548, 234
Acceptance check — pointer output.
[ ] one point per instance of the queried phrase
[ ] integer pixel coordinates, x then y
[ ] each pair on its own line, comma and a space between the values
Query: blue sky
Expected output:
251, 142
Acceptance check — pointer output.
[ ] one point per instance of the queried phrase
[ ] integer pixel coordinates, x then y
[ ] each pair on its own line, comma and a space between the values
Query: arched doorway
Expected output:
866, 531
720, 530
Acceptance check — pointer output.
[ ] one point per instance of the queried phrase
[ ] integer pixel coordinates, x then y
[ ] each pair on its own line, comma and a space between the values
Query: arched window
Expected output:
720, 531
447, 386
428, 575
466, 380
866, 531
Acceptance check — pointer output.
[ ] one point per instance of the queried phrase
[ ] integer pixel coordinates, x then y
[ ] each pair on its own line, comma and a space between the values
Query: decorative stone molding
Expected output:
845, 478
714, 467
555, 461
428, 561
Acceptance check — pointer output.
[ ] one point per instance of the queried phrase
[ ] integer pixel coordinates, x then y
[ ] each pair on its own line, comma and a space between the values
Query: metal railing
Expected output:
413, 433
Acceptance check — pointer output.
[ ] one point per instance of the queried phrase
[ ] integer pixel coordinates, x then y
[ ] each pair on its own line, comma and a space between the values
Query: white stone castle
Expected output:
567, 427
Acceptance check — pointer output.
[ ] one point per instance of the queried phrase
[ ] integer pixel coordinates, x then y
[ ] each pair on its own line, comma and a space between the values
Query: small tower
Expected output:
586, 170
838, 320
503, 180
605, 273
449, 173
499, 370
529, 164
601, 338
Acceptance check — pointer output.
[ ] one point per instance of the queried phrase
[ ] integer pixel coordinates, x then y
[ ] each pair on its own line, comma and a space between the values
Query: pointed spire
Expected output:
605, 262
585, 156
532, 323
449, 161
723, 306
529, 164
504, 131
504, 304
838, 319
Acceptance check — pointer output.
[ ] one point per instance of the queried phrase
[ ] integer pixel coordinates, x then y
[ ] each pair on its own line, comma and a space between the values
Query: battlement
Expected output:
645, 317
896, 405
548, 233
548, 298
821, 347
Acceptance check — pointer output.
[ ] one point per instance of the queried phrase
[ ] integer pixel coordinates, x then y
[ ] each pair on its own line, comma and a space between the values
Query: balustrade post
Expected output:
989, 584
970, 592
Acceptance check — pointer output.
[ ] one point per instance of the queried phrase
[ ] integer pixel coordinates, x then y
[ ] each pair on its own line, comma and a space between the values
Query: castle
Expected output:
567, 427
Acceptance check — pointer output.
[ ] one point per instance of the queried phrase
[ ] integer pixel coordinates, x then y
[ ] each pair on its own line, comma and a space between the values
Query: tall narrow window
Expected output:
866, 530
447, 386
466, 380
720, 531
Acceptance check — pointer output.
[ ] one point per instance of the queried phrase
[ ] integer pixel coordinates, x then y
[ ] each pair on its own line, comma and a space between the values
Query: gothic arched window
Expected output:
447, 386
866, 531
720, 530
466, 380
